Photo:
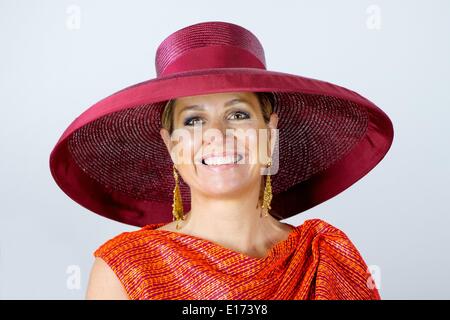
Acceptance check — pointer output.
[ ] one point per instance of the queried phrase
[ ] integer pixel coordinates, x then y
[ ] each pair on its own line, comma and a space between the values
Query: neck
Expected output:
235, 222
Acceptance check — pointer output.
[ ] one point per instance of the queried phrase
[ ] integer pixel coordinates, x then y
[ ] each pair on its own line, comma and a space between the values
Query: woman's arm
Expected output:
104, 284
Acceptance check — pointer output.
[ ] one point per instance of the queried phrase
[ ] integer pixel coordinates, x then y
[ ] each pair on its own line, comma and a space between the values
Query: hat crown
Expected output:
206, 45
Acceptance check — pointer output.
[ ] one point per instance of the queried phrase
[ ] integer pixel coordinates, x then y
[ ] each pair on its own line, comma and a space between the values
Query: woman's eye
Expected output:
239, 115
192, 121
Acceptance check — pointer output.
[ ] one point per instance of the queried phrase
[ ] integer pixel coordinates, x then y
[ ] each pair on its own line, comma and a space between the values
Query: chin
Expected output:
222, 182
223, 189
222, 193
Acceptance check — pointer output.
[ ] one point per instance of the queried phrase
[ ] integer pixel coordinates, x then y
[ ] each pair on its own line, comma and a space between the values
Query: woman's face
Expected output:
220, 142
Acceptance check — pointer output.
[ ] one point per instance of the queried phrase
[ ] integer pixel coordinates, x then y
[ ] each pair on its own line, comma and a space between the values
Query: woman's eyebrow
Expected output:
227, 104
236, 101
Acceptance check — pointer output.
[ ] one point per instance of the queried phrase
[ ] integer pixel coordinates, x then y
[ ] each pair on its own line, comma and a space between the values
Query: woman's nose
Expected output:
217, 132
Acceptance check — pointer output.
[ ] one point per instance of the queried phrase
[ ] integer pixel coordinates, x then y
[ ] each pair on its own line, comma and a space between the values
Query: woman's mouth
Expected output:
221, 160
221, 163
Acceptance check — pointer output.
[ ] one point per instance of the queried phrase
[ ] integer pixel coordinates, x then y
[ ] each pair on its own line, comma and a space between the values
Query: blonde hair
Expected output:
266, 101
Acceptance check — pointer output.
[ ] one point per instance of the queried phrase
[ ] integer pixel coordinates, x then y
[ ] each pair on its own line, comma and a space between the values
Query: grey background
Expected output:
397, 215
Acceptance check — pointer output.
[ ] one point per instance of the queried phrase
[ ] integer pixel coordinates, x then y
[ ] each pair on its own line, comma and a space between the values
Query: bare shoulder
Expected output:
171, 226
104, 284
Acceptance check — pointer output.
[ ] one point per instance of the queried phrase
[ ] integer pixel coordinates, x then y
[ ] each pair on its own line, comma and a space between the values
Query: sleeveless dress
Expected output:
316, 261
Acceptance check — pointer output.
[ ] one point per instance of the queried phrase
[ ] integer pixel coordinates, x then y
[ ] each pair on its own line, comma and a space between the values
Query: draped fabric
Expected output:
316, 261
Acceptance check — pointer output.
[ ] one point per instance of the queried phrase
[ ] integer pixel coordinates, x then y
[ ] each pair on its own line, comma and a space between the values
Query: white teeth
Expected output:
215, 161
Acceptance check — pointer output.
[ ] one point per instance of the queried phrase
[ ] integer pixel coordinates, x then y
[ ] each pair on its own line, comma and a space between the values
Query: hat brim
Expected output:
112, 161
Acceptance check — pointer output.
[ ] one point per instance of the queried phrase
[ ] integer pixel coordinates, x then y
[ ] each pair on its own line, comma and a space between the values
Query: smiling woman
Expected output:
216, 168
209, 212
220, 111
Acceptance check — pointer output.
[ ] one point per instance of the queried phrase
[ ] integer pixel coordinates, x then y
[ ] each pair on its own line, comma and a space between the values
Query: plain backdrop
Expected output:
57, 58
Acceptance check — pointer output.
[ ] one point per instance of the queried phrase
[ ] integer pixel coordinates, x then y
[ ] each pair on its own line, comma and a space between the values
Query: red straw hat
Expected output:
113, 161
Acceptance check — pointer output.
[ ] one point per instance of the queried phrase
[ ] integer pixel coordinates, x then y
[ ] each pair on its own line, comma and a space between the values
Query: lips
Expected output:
219, 159
214, 160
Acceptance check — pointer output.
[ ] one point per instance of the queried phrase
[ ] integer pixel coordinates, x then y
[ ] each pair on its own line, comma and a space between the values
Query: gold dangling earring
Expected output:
177, 206
267, 193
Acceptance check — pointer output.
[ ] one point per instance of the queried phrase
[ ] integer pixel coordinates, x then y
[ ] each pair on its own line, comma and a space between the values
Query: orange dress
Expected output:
316, 261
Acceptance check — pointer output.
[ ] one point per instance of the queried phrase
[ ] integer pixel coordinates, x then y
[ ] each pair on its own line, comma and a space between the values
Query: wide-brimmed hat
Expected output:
112, 160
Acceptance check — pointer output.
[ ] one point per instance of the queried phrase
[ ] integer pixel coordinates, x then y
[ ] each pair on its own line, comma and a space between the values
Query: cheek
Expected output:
254, 144
184, 151
184, 148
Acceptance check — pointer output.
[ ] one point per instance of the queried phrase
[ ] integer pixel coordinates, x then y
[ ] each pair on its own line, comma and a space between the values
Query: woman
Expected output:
217, 111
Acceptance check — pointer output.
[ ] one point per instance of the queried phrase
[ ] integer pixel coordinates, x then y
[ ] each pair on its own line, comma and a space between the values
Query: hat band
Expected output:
213, 57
